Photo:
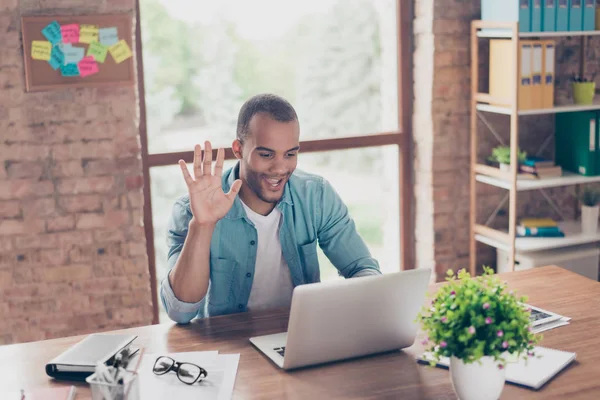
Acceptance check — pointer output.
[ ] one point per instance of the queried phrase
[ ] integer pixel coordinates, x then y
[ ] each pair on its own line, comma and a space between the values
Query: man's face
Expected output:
269, 156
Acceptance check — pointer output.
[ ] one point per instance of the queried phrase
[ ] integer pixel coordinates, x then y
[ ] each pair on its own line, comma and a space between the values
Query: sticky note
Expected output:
64, 46
41, 50
88, 33
87, 66
73, 55
120, 51
52, 32
108, 36
98, 51
69, 70
57, 58
70, 33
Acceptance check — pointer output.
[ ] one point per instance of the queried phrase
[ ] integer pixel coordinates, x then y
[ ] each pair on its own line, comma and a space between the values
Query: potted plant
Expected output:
501, 155
477, 323
590, 205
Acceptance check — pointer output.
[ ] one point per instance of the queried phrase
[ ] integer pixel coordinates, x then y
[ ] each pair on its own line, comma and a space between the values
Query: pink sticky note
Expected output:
87, 66
70, 33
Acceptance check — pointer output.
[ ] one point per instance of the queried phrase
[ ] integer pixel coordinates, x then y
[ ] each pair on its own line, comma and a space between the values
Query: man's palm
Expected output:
208, 201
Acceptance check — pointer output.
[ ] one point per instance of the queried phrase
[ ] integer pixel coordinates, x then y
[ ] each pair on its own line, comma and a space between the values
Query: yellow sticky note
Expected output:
41, 50
88, 33
120, 51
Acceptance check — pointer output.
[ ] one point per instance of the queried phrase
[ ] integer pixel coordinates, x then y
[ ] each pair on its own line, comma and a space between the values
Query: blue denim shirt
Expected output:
312, 213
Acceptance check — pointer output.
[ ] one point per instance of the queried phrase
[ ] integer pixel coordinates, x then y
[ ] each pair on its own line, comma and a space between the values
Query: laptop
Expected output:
336, 320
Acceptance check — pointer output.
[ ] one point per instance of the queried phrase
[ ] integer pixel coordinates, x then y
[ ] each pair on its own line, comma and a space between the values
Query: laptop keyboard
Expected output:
280, 350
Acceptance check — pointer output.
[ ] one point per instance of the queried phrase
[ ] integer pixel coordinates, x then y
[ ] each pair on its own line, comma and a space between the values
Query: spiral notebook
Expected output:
533, 372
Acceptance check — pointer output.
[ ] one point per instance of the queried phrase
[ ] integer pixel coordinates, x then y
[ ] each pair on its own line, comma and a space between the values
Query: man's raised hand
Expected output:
208, 201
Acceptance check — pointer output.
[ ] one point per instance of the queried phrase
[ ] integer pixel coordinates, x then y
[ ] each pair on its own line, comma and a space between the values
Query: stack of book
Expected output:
539, 227
540, 168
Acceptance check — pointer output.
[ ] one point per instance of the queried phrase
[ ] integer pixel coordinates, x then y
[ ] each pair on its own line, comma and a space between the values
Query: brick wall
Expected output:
442, 135
72, 244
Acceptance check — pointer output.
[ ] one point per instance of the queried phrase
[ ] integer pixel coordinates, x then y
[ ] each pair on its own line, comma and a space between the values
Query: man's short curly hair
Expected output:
275, 106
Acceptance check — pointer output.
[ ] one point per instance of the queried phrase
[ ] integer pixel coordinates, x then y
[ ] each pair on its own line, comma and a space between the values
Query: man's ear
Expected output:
236, 146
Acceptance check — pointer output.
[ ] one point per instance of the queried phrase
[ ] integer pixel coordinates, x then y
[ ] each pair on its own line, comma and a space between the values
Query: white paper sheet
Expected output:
218, 385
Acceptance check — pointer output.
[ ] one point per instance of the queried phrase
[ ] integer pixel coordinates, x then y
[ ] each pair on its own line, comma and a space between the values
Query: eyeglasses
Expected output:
186, 372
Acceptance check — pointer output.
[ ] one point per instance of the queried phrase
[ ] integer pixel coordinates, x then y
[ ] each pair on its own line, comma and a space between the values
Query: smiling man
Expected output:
243, 239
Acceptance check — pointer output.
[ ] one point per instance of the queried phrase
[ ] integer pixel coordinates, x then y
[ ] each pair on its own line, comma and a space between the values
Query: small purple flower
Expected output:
505, 344
486, 306
424, 342
453, 293
529, 328
500, 333
500, 366
443, 344
444, 319
530, 353
472, 330
488, 320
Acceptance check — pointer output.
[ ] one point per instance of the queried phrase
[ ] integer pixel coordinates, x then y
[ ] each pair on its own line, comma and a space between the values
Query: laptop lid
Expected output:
354, 317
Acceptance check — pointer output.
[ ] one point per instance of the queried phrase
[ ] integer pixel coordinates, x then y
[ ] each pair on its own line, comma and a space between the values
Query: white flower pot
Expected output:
477, 381
504, 167
589, 219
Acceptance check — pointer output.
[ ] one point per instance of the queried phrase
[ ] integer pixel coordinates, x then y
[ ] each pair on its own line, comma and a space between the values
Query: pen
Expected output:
71, 395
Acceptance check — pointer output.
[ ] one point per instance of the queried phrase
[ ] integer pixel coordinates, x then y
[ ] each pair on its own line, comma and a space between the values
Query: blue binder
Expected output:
589, 15
575, 15
536, 16
562, 16
549, 15
525, 15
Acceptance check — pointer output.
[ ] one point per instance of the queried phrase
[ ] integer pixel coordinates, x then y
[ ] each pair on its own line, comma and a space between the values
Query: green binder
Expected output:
576, 144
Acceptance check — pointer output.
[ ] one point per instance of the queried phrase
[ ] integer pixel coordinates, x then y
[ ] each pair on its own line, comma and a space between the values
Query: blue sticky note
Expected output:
52, 32
69, 70
108, 36
73, 55
64, 46
57, 58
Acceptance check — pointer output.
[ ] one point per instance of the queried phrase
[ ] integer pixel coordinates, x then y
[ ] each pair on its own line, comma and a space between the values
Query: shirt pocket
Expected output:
221, 280
310, 262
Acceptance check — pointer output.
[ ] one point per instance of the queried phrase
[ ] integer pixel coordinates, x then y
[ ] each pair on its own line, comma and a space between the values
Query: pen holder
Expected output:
128, 390
583, 92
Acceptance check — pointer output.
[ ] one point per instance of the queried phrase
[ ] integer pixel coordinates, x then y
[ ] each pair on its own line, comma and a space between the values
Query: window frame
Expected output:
402, 138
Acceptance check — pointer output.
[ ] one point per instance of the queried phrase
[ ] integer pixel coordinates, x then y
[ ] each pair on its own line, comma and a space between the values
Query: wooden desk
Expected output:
390, 375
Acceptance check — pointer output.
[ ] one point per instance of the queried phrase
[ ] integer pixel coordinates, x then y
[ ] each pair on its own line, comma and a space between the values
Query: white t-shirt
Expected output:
272, 285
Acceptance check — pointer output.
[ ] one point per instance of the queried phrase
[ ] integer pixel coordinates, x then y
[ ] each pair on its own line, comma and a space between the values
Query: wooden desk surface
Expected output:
390, 375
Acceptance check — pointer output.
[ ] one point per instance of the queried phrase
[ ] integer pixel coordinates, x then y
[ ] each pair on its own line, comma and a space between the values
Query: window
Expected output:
336, 61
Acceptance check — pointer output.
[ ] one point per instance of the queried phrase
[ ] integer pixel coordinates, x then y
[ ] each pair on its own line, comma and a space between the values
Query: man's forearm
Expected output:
189, 277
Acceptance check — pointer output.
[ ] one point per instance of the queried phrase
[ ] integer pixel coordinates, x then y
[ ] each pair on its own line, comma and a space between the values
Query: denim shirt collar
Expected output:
237, 210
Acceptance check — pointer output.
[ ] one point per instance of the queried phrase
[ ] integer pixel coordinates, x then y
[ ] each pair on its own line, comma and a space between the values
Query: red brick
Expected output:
67, 169
137, 248
6, 244
127, 148
70, 273
90, 221
81, 203
10, 209
79, 254
24, 152
36, 242
21, 170
132, 199
12, 227
134, 182
45, 207
109, 235
80, 238
6, 279
23, 188
64, 223
101, 184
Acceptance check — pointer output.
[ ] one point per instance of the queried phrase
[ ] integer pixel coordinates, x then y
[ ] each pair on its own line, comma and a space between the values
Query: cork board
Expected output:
108, 63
